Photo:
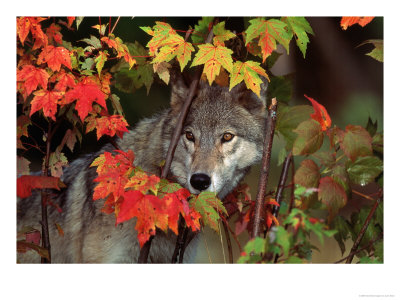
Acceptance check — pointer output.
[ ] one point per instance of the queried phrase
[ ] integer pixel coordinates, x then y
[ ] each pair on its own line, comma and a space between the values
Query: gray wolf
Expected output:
222, 137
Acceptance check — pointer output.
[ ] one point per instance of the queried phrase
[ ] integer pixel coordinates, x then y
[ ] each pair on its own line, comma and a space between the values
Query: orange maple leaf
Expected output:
55, 57
111, 125
47, 100
64, 80
349, 21
31, 24
85, 93
149, 211
320, 114
32, 77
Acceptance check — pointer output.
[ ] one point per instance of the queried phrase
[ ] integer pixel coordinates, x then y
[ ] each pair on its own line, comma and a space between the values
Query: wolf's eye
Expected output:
189, 136
227, 137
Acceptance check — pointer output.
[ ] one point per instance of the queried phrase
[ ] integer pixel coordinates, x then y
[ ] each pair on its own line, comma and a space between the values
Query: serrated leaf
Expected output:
250, 72
253, 251
349, 21
308, 174
26, 183
283, 239
289, 119
221, 34
356, 142
309, 138
93, 41
299, 26
208, 205
332, 194
213, 57
364, 169
320, 114
100, 61
269, 32
201, 30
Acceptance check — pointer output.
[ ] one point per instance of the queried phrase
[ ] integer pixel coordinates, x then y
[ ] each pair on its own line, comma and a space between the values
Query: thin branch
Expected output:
269, 136
45, 195
362, 231
361, 249
282, 181
174, 141
228, 242
115, 24
233, 234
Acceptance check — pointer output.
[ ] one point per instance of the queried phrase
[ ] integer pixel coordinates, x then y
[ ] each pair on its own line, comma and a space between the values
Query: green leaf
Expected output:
100, 60
281, 156
299, 27
166, 187
307, 174
213, 57
377, 52
332, 194
78, 22
248, 71
289, 119
343, 231
254, 250
93, 42
364, 169
371, 127
269, 32
310, 138
209, 206
283, 239
200, 32
221, 34
280, 87
294, 260
377, 143
340, 175
356, 142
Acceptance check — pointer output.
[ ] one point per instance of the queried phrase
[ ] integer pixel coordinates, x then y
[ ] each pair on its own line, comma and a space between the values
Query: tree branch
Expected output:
175, 139
282, 181
269, 136
228, 242
362, 231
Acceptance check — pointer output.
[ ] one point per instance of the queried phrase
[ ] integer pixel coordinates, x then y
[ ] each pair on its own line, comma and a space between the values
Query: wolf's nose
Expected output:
200, 181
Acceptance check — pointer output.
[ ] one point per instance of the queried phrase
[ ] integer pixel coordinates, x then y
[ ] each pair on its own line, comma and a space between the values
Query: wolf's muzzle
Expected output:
200, 181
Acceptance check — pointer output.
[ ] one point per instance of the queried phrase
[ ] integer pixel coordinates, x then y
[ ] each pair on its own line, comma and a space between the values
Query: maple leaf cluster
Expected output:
129, 192
51, 78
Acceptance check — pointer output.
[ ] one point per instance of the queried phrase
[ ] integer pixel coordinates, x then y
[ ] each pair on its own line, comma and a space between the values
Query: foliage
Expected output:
68, 84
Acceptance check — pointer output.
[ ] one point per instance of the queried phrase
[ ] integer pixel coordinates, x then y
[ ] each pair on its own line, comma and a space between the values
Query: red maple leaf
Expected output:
53, 33
320, 114
176, 204
349, 21
26, 183
64, 80
47, 100
149, 211
31, 24
113, 174
70, 21
55, 57
85, 93
111, 125
32, 77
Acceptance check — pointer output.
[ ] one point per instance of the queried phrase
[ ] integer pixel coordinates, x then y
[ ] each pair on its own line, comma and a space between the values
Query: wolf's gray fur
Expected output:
202, 161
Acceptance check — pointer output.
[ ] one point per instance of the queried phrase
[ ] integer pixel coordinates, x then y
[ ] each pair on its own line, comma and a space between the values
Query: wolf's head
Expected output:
221, 138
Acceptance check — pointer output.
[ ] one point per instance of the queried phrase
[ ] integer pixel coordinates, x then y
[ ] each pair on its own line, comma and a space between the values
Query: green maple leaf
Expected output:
299, 27
100, 60
221, 34
269, 32
248, 71
208, 205
213, 57
201, 30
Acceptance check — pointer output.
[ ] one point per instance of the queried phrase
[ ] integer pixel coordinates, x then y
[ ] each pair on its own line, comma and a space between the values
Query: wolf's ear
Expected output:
179, 88
249, 100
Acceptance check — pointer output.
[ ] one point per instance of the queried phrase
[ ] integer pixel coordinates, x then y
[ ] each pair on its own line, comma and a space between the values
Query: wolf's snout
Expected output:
200, 181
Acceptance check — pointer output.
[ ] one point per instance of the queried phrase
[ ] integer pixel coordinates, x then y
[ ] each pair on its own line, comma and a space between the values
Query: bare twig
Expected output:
174, 142
269, 136
362, 231
115, 24
282, 181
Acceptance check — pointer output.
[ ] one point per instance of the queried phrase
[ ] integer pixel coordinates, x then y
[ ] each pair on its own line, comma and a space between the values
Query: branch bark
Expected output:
269, 136
282, 181
174, 141
362, 231
44, 200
